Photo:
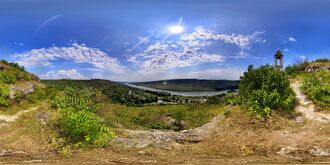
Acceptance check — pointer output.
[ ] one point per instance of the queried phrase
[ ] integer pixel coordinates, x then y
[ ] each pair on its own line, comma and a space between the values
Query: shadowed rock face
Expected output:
23, 87
313, 68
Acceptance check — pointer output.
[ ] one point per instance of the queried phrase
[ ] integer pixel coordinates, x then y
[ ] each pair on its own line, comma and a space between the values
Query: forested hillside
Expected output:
191, 85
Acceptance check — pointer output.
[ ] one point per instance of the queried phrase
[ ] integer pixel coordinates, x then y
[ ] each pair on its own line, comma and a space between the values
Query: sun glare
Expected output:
176, 29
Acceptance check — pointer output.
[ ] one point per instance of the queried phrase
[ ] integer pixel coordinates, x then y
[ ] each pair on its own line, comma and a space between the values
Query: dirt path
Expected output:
307, 107
12, 118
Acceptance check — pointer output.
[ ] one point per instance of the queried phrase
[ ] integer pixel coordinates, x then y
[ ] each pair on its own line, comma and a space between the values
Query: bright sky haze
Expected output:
143, 40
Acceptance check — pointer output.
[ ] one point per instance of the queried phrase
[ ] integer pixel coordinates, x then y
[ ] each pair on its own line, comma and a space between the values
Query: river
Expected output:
180, 93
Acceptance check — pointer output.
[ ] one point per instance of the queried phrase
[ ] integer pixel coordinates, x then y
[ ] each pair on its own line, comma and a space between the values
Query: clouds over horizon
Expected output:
156, 60
78, 53
63, 74
218, 73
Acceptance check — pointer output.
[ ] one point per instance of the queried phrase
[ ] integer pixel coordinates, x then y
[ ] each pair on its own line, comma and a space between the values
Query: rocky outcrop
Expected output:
312, 68
22, 88
291, 152
9, 152
318, 151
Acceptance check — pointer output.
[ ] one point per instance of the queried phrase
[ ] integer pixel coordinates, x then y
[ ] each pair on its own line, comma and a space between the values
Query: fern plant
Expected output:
79, 123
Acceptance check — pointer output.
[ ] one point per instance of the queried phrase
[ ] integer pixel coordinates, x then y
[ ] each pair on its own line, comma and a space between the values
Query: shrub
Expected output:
217, 99
231, 98
317, 87
265, 89
322, 60
293, 70
8, 76
4, 95
80, 126
13, 73
78, 122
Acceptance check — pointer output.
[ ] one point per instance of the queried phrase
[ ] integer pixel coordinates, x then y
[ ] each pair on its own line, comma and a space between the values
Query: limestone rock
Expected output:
290, 151
22, 87
10, 152
317, 151
313, 68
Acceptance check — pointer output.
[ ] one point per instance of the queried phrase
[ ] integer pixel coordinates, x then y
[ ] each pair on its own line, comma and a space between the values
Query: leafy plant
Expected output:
79, 123
265, 89
231, 98
4, 95
13, 73
317, 87
295, 69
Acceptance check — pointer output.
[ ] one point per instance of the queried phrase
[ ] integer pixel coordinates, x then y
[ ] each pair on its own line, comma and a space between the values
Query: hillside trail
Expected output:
306, 106
12, 118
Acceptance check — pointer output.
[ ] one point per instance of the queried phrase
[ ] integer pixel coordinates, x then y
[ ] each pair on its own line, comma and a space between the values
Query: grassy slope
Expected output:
191, 85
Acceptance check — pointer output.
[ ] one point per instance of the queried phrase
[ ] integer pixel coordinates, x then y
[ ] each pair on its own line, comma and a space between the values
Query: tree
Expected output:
265, 89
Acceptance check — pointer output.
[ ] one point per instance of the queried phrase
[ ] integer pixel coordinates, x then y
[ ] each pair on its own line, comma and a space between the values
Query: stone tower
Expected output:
278, 60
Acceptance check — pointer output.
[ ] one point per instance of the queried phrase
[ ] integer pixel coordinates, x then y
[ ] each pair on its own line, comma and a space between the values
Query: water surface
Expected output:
180, 93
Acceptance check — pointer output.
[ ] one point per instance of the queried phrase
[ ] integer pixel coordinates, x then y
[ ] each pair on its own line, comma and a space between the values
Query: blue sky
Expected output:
130, 40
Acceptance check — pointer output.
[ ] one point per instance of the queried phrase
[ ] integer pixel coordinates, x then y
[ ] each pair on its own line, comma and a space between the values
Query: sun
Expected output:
176, 29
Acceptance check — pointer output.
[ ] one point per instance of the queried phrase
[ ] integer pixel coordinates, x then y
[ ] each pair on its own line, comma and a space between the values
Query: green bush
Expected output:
265, 89
4, 95
322, 60
293, 70
8, 76
80, 126
317, 87
231, 98
78, 122
217, 99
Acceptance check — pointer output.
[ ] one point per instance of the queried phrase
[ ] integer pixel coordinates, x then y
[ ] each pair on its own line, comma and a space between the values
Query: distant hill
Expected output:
191, 84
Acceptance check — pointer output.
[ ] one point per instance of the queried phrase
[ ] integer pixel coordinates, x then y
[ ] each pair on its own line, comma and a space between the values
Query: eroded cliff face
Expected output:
23, 88
318, 66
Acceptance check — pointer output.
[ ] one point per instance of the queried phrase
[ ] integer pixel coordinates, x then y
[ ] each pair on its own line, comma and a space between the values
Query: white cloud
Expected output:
286, 50
78, 53
160, 57
19, 43
189, 49
291, 39
242, 41
63, 74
